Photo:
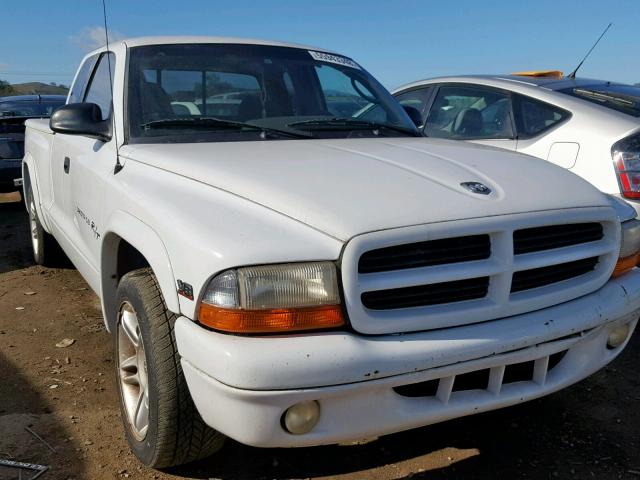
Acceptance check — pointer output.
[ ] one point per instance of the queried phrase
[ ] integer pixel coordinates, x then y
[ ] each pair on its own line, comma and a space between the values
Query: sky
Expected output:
397, 41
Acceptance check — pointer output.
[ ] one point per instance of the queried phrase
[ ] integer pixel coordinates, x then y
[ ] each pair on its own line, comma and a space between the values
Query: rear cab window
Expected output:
469, 112
621, 98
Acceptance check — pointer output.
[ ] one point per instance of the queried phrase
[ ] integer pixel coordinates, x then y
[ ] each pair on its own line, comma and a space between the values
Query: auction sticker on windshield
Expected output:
328, 57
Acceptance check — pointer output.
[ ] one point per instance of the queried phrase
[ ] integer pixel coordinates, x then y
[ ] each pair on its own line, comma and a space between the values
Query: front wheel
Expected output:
162, 425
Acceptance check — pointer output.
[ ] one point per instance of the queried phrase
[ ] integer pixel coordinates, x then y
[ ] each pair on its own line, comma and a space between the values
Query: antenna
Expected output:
118, 166
572, 75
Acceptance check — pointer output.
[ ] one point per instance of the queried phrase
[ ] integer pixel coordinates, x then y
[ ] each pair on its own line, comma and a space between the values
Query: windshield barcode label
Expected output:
328, 57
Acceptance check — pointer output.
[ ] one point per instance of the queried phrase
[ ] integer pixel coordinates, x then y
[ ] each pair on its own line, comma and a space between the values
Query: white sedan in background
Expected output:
591, 127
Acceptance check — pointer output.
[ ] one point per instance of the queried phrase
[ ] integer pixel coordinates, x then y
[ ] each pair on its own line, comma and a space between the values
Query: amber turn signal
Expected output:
625, 264
271, 321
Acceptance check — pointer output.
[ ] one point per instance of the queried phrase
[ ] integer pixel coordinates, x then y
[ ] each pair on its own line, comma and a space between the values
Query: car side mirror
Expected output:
81, 119
414, 115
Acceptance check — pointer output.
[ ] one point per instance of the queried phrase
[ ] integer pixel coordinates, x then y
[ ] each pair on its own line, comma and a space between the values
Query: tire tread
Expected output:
181, 436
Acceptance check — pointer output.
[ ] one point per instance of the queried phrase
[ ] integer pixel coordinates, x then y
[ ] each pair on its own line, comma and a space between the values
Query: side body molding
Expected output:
124, 226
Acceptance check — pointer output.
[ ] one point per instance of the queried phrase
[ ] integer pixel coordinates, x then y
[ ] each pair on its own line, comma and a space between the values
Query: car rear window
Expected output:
622, 98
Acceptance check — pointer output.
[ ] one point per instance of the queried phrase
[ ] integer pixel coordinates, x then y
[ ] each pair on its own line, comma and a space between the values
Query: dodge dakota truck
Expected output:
282, 259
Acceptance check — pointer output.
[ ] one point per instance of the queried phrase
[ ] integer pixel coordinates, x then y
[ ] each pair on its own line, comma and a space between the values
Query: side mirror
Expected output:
81, 119
414, 115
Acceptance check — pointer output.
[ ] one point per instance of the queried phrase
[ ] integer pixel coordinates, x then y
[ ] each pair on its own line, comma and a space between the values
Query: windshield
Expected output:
29, 108
233, 92
623, 98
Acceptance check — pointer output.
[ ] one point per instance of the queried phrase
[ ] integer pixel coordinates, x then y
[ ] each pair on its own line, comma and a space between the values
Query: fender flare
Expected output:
124, 226
32, 180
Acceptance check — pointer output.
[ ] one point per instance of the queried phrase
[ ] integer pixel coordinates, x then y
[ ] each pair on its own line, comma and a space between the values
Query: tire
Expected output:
46, 251
175, 433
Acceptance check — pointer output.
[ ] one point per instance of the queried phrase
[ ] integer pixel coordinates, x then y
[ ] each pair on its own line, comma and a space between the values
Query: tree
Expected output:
6, 88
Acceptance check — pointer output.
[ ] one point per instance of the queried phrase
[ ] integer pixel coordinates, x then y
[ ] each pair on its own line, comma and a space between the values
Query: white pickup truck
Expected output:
281, 268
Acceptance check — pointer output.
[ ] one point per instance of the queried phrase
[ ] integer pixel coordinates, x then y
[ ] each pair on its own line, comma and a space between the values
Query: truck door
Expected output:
91, 162
59, 152
86, 163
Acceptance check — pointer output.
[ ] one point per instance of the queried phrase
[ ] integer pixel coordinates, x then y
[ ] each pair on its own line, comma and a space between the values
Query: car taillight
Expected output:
626, 160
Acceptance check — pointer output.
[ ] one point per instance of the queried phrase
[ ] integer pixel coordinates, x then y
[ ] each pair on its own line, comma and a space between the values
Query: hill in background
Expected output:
34, 88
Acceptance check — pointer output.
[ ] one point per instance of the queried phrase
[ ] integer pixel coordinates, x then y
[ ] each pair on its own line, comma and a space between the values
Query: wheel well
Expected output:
119, 257
128, 259
26, 181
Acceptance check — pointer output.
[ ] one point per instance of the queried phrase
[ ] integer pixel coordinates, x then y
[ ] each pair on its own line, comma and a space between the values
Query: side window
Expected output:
80, 84
461, 112
99, 91
534, 117
416, 98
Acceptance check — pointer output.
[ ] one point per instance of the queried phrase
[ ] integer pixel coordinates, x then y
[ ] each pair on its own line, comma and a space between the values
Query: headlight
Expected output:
273, 298
629, 248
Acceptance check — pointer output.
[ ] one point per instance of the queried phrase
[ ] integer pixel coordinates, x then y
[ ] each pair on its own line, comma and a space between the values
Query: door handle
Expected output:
67, 161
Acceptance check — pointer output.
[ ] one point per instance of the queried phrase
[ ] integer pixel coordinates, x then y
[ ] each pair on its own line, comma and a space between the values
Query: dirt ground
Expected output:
67, 397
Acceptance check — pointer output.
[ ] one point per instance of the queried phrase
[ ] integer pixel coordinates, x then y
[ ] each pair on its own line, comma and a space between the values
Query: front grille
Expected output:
540, 277
555, 236
423, 295
455, 273
425, 254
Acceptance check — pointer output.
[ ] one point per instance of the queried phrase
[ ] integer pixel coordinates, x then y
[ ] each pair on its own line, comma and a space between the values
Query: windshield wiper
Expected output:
209, 123
350, 124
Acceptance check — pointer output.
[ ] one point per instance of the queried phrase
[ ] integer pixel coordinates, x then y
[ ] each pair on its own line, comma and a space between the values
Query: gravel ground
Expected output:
67, 396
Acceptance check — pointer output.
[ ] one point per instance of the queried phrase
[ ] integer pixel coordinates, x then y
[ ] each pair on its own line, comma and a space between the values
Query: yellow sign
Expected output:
540, 73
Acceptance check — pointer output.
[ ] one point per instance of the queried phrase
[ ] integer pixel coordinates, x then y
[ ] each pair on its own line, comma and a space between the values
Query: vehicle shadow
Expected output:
576, 433
15, 239
15, 243
22, 407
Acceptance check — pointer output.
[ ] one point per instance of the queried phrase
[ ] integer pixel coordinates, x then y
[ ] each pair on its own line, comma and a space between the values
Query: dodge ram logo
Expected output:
476, 187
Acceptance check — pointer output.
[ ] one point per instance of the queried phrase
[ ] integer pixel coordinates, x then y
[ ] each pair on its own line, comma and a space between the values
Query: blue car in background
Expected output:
14, 111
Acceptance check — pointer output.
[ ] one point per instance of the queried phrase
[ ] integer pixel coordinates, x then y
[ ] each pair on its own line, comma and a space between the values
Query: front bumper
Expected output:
243, 385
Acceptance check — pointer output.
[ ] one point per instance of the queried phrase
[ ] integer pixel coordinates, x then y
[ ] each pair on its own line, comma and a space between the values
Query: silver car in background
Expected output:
591, 127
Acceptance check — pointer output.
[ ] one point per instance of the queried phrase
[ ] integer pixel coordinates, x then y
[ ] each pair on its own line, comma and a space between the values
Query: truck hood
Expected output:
352, 186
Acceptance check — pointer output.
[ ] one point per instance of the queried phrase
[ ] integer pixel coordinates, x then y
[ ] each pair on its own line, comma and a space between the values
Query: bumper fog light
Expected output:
302, 417
618, 336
